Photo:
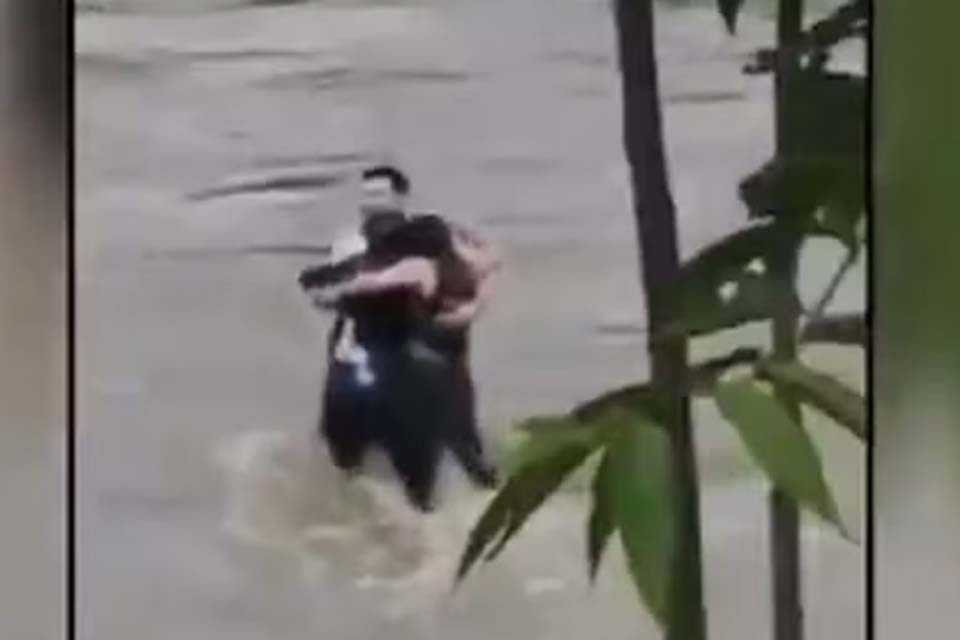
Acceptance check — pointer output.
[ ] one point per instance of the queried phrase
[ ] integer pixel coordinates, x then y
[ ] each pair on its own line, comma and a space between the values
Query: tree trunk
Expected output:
784, 513
656, 229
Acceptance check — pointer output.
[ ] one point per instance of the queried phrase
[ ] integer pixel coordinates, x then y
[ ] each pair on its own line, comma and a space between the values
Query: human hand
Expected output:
325, 297
458, 316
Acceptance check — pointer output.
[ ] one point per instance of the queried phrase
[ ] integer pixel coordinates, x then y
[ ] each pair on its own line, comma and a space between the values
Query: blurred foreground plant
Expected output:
645, 488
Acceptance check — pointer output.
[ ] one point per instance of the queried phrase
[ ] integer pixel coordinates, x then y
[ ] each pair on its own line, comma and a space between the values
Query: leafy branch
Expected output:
816, 313
845, 329
848, 21
813, 186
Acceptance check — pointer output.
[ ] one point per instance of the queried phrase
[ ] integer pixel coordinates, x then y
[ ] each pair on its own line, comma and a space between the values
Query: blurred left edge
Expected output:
35, 127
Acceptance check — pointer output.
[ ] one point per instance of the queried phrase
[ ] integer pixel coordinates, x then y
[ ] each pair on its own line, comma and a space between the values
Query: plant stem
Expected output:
656, 228
784, 514
821, 306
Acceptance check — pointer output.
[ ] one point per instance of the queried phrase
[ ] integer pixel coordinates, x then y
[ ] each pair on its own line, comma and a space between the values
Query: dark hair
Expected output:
422, 236
381, 224
430, 236
398, 179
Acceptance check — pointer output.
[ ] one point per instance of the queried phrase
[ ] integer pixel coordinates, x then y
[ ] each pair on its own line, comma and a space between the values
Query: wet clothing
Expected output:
456, 286
463, 431
392, 392
407, 389
397, 397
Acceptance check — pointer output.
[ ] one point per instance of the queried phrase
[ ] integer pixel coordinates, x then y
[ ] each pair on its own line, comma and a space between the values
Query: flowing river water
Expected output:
208, 131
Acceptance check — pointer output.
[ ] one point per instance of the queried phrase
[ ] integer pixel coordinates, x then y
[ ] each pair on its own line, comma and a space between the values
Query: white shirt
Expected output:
348, 244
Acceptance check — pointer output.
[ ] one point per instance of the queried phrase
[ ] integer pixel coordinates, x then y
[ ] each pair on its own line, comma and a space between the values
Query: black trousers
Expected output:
404, 412
463, 432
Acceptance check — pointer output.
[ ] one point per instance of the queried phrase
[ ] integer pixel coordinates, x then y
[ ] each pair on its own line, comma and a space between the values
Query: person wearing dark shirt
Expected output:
384, 191
401, 396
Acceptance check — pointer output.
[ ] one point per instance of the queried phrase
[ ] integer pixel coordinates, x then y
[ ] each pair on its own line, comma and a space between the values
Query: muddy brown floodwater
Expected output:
208, 510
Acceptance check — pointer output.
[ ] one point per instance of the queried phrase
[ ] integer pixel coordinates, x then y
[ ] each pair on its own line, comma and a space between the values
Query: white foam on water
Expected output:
283, 492
543, 585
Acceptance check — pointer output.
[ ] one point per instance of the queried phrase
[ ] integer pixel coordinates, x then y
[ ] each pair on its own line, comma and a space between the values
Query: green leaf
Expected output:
818, 179
823, 193
637, 483
548, 434
839, 217
602, 523
826, 129
705, 375
729, 283
631, 398
821, 391
542, 464
847, 21
701, 379
779, 445
533, 486
826, 115
729, 9
492, 522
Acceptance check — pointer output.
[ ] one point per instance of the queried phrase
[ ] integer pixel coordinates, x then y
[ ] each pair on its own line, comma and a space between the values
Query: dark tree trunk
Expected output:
784, 513
656, 229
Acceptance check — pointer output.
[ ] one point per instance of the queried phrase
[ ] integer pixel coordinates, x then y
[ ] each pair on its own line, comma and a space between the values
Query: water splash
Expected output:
282, 492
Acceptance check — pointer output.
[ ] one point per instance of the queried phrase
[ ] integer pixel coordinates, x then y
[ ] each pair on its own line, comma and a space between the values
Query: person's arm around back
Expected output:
482, 257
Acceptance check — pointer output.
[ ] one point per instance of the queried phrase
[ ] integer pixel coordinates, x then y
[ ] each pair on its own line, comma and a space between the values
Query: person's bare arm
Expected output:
483, 261
460, 316
464, 313
414, 273
482, 257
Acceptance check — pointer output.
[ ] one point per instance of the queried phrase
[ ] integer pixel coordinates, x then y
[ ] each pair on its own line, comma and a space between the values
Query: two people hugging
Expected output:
405, 290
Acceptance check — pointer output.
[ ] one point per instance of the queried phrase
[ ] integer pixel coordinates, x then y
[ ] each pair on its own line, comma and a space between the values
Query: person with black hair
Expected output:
383, 194
399, 183
461, 298
401, 396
